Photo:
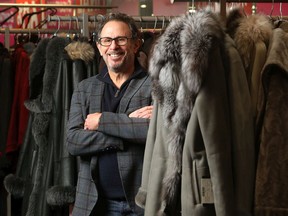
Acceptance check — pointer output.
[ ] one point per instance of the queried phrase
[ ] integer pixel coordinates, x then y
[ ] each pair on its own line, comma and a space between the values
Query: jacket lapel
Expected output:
96, 96
133, 87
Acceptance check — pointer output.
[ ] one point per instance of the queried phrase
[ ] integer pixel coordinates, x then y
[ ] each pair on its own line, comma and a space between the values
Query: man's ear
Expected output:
138, 44
99, 48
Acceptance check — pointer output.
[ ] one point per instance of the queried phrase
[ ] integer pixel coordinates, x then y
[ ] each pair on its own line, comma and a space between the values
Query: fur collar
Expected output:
178, 64
36, 70
180, 56
46, 49
53, 55
80, 50
250, 30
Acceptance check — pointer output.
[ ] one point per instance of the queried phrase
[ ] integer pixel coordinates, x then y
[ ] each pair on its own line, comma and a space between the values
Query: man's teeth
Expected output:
114, 55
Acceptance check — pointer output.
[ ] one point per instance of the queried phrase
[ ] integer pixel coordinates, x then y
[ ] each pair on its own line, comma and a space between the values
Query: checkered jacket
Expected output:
116, 130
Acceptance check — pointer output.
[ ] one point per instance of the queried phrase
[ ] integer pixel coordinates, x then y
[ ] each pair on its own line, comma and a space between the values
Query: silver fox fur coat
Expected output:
202, 124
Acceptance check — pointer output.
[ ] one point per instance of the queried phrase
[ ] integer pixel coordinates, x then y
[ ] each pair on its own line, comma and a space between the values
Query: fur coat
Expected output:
252, 36
202, 127
46, 174
271, 189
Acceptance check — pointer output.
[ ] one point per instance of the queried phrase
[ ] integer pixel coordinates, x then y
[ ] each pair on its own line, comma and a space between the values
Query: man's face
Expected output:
118, 57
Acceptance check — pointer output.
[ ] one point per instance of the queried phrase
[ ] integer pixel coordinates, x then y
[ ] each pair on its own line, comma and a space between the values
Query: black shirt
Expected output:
109, 183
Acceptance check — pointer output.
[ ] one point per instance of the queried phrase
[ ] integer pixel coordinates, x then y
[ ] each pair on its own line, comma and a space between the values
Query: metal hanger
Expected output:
58, 27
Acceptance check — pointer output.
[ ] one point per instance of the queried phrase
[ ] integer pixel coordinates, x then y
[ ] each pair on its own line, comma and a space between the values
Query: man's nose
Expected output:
114, 44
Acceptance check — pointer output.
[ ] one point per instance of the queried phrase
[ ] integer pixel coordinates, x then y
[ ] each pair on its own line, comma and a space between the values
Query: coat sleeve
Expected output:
150, 143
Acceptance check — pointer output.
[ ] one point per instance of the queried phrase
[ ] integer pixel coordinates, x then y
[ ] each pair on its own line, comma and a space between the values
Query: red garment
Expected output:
19, 113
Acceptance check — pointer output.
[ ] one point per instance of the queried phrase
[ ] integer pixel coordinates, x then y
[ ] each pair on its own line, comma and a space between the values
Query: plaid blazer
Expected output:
116, 130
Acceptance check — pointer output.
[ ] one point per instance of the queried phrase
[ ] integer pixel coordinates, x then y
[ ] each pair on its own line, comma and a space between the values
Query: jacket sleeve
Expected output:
122, 126
82, 142
131, 130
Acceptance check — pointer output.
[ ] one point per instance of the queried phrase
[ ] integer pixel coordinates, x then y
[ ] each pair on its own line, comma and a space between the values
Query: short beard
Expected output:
117, 68
121, 67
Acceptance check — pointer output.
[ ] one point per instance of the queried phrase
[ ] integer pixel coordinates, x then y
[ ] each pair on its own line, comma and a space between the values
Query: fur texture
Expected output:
178, 65
164, 67
60, 196
44, 70
251, 29
233, 21
14, 185
37, 66
40, 127
80, 50
44, 104
41, 108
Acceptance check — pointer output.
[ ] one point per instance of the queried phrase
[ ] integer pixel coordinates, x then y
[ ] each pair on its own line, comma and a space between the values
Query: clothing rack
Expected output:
223, 3
85, 19
231, 1
58, 6
7, 31
85, 32
36, 31
98, 18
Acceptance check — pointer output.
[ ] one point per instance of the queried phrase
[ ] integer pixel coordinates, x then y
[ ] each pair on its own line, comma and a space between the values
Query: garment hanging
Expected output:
271, 187
251, 35
6, 94
19, 114
202, 138
44, 164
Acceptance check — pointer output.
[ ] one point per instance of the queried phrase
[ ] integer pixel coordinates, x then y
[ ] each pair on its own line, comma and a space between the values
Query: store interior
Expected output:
23, 21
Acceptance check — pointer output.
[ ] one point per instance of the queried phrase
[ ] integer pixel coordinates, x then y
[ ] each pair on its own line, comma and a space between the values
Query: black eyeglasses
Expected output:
107, 41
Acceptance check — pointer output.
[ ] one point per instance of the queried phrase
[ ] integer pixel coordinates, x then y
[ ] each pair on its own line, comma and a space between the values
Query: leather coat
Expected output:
46, 173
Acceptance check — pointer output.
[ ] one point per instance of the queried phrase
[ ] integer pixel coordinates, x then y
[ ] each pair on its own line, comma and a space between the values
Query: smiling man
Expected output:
108, 124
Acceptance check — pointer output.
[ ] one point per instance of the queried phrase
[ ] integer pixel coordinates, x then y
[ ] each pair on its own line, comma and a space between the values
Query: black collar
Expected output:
139, 72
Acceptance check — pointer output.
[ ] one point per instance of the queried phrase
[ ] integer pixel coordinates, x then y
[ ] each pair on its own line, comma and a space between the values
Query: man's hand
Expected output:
144, 112
92, 121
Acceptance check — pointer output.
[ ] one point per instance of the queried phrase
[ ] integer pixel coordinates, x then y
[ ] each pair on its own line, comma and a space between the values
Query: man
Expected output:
108, 124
